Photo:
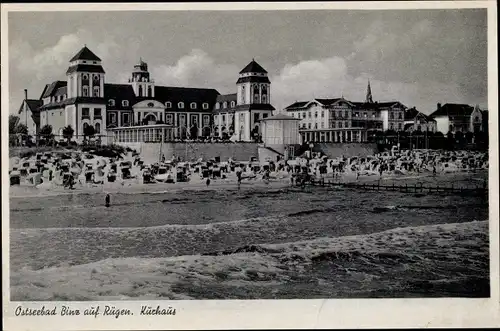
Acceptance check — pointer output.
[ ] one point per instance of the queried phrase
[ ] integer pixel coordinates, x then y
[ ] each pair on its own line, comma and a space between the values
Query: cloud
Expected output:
381, 41
330, 78
198, 69
49, 61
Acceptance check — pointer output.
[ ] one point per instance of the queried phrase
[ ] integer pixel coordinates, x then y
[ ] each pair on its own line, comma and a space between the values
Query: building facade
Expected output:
341, 120
452, 117
86, 99
417, 121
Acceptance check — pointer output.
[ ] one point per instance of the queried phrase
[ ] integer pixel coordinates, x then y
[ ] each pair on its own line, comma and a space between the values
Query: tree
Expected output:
88, 131
13, 122
68, 132
46, 133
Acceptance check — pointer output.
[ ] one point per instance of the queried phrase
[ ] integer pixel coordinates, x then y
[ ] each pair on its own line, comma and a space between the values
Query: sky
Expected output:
418, 57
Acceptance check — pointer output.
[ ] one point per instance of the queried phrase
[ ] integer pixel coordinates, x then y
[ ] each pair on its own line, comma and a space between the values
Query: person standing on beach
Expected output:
208, 181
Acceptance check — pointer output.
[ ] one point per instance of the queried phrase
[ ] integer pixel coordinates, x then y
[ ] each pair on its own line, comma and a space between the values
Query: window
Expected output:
333, 125
85, 113
391, 115
264, 98
85, 77
309, 125
96, 91
233, 104
193, 105
315, 125
392, 126
322, 113
303, 115
98, 128
168, 104
309, 114
180, 105
345, 114
256, 93
112, 118
97, 113
150, 92
60, 113
205, 105
151, 105
340, 125
182, 120
125, 118
322, 125
140, 90
346, 124
255, 117
315, 114
400, 115
224, 105
169, 118
125, 103
194, 120
111, 102
217, 105
243, 94
206, 119
265, 115
85, 91
365, 114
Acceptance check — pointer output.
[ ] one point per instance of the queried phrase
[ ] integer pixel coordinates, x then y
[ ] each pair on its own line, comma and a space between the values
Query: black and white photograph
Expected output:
248, 154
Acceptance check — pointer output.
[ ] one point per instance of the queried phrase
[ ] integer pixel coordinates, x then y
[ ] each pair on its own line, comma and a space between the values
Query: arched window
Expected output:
180, 105
96, 91
263, 90
125, 103
256, 93
224, 105
217, 106
95, 78
233, 104
168, 104
243, 94
85, 77
193, 105
98, 128
85, 90
111, 102
205, 105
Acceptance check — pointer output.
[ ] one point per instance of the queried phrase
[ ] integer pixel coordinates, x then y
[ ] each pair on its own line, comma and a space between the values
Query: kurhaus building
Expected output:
341, 120
141, 111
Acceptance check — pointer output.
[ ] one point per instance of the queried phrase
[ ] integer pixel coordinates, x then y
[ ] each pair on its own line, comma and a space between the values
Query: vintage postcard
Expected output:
250, 165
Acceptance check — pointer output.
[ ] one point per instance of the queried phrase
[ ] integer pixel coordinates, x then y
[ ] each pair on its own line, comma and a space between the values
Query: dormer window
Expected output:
193, 105
217, 105
233, 104
205, 105
180, 105
168, 104
111, 102
125, 103
224, 105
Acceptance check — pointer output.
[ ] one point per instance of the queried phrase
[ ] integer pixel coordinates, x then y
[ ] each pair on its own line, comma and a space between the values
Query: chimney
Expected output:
25, 94
439, 105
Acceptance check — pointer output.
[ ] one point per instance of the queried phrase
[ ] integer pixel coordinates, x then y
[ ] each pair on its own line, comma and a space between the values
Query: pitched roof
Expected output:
85, 54
297, 104
328, 102
33, 105
119, 93
280, 117
186, 95
61, 91
453, 109
253, 67
226, 97
51, 88
411, 113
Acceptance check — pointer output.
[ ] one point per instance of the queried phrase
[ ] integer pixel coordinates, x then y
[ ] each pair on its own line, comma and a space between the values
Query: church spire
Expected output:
369, 98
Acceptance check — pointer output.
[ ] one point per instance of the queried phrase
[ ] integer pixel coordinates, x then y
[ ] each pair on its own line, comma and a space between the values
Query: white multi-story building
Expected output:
129, 111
